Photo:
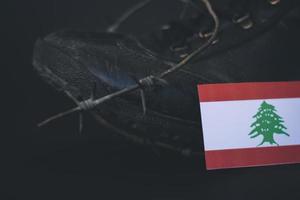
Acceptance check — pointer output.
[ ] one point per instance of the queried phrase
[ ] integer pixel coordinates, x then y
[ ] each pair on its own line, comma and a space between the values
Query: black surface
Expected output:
53, 164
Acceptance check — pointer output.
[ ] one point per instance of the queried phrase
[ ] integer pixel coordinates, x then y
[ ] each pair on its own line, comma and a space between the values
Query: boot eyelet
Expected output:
274, 2
244, 21
205, 34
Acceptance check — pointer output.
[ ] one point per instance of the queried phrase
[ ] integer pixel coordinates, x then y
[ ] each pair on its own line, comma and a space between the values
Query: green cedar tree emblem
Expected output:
267, 123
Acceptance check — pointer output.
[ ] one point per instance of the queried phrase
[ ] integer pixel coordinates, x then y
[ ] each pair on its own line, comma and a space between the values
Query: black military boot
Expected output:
255, 40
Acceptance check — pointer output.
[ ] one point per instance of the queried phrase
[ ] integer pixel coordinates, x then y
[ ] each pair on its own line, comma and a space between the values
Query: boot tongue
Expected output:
180, 37
174, 40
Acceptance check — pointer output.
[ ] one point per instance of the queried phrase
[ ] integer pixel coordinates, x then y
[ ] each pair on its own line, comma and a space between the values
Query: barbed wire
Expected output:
149, 81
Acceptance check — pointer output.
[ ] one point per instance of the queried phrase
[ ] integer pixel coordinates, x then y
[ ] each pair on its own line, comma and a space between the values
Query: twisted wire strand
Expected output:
137, 7
113, 28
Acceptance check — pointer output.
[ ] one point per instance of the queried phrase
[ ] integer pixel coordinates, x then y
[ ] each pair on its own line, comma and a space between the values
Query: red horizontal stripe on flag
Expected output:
247, 91
231, 158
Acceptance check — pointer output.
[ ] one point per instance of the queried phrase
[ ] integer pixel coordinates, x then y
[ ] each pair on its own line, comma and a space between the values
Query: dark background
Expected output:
55, 163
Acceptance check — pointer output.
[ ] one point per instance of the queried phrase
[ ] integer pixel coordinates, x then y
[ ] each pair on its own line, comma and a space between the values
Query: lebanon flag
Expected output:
250, 124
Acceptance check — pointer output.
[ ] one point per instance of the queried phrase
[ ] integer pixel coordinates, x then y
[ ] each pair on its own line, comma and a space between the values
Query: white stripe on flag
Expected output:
226, 124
